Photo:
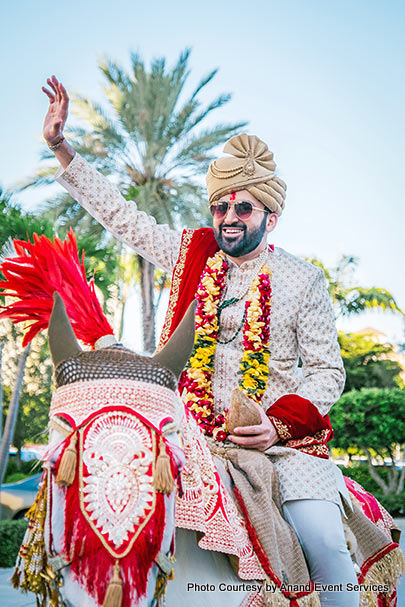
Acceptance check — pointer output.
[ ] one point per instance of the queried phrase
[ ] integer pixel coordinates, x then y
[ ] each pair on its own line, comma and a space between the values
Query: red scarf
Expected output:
196, 247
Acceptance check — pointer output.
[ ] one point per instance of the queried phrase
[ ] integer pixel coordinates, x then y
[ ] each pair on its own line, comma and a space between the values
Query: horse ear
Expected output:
62, 341
176, 352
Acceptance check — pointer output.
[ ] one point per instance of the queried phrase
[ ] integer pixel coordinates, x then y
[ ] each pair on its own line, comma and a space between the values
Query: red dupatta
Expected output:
196, 247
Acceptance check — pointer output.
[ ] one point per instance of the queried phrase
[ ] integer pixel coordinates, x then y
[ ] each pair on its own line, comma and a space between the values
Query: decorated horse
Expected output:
126, 464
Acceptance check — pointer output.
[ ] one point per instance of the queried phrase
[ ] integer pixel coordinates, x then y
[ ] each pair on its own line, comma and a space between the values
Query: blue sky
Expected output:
321, 82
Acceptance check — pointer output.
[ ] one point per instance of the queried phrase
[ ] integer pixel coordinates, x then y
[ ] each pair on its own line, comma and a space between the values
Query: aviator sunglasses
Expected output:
243, 209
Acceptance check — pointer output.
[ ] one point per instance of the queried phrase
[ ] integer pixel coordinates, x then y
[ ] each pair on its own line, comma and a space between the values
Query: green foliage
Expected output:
15, 223
349, 299
372, 420
35, 396
150, 135
367, 363
369, 418
11, 536
16, 471
361, 474
394, 503
101, 260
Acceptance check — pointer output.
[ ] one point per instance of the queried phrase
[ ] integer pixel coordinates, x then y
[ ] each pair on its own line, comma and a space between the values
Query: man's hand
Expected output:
256, 437
57, 112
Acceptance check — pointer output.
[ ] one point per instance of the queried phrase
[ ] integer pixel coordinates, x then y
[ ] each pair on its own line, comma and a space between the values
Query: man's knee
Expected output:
328, 539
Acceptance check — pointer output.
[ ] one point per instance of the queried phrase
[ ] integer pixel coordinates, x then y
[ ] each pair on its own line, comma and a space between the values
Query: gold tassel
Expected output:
275, 598
386, 571
163, 480
15, 580
67, 466
113, 596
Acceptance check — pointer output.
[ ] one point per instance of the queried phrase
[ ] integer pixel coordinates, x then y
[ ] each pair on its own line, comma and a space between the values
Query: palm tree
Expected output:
8, 434
151, 137
349, 300
101, 258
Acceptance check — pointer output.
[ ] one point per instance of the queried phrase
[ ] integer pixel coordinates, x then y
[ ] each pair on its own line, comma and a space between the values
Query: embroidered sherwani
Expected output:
302, 327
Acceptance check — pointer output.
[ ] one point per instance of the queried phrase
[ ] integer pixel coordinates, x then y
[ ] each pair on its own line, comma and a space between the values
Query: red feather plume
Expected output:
41, 268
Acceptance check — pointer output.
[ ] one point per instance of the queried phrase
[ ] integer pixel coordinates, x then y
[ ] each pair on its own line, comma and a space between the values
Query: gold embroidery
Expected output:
316, 450
92, 525
282, 429
319, 437
174, 292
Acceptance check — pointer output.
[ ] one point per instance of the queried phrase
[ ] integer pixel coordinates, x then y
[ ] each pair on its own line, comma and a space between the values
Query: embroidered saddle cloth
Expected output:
113, 513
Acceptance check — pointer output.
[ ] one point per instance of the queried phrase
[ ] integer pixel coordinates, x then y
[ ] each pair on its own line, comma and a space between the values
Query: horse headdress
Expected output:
112, 462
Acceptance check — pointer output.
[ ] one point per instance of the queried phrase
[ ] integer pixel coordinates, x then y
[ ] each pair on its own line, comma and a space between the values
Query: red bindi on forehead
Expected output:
233, 196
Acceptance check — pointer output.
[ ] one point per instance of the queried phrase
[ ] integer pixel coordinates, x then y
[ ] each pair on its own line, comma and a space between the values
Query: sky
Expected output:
320, 82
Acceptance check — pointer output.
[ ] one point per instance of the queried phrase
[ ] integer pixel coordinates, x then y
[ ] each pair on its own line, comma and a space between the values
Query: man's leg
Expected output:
319, 528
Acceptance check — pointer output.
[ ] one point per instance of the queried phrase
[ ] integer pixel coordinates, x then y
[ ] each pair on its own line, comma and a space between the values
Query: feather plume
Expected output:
35, 272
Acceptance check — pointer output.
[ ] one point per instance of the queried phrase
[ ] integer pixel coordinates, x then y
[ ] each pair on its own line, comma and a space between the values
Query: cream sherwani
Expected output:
302, 324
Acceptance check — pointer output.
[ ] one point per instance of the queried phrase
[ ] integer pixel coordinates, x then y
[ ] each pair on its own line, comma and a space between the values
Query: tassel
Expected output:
67, 466
113, 596
15, 580
163, 480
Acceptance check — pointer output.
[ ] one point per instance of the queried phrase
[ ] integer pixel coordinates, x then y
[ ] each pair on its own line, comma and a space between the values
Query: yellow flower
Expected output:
249, 382
210, 307
196, 374
216, 262
254, 372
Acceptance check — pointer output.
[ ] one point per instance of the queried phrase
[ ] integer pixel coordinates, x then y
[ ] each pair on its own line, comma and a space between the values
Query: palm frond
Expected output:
150, 135
359, 299
197, 150
44, 176
203, 82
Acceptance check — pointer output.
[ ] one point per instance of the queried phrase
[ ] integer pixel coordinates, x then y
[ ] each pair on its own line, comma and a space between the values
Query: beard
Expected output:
242, 245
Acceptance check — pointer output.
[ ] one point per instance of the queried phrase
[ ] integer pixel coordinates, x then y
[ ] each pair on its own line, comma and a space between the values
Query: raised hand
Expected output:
57, 114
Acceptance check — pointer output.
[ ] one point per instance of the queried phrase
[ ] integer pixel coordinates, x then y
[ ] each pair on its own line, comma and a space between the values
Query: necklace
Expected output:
253, 367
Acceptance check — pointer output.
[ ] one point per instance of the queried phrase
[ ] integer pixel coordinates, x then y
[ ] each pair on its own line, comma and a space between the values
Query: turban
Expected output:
250, 167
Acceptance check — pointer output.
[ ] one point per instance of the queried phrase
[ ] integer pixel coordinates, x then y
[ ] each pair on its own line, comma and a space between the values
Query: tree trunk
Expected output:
148, 307
12, 413
374, 474
401, 483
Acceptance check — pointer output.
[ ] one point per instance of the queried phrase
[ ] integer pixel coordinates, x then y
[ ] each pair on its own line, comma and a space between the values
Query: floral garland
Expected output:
253, 368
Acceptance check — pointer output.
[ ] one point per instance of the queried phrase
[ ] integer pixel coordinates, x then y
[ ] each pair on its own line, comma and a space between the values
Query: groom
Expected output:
260, 311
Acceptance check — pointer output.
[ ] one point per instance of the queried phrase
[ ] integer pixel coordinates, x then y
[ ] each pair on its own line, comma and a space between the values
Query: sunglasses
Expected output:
243, 209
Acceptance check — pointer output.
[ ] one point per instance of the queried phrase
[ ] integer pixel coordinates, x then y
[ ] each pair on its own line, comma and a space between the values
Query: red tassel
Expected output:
85, 550
40, 269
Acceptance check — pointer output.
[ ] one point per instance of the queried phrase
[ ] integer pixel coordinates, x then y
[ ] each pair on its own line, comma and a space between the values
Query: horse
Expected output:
131, 495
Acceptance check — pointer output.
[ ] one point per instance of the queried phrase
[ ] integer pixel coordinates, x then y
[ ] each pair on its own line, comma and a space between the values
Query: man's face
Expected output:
237, 237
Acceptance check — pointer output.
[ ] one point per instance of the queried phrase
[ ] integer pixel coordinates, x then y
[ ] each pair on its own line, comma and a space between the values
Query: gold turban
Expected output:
250, 167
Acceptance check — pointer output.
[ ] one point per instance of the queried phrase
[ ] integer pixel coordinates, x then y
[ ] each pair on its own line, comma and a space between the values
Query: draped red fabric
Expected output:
299, 414
196, 247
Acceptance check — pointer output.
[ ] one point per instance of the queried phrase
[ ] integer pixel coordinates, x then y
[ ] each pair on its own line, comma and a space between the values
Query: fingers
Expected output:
250, 442
250, 429
49, 94
51, 82
64, 95
260, 442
